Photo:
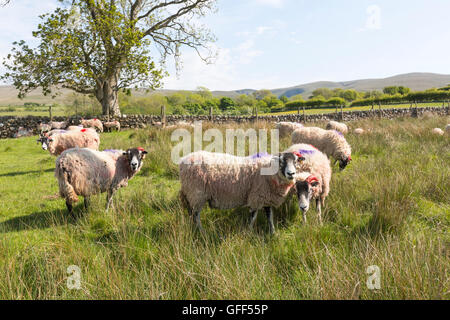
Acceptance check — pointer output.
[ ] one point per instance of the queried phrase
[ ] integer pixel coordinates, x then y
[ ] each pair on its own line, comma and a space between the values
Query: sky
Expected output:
280, 43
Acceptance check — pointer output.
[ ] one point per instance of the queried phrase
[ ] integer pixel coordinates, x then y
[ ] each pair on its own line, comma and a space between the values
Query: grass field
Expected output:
390, 208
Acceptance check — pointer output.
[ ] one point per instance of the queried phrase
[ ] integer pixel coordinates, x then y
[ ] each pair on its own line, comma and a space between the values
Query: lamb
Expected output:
112, 125
438, 131
228, 182
358, 131
85, 172
92, 123
338, 126
56, 143
313, 178
286, 128
44, 127
58, 125
330, 142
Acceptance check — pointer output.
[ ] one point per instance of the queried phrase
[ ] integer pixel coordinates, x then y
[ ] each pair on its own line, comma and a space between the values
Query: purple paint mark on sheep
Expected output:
259, 155
304, 151
339, 133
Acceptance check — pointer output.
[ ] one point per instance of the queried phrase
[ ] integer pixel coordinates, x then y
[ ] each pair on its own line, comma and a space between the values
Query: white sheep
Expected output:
57, 142
312, 178
438, 131
330, 142
92, 123
85, 172
70, 128
227, 182
58, 125
286, 128
358, 131
44, 127
338, 126
112, 125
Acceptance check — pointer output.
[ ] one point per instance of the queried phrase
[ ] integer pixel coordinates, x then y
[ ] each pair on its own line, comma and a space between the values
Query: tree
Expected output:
284, 99
226, 104
390, 90
102, 46
261, 94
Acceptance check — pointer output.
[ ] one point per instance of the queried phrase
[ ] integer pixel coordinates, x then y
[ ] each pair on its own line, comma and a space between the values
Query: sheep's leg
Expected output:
197, 220
69, 207
269, 215
304, 217
87, 202
109, 198
254, 214
319, 210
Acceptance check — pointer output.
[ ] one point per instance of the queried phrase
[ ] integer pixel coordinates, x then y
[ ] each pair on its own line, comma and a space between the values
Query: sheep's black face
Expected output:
135, 158
344, 162
304, 191
45, 141
287, 164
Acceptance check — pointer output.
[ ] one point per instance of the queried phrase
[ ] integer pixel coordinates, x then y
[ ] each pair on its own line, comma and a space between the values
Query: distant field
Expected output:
390, 208
21, 111
333, 110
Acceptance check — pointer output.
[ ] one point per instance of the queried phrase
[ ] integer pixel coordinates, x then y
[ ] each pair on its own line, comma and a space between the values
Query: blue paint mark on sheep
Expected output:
304, 151
339, 133
259, 155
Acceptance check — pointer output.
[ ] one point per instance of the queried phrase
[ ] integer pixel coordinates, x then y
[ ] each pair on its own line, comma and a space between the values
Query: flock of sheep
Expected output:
82, 170
224, 181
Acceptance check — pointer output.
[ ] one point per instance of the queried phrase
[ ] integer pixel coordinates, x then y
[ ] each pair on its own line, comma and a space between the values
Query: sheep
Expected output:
44, 127
92, 123
438, 131
85, 172
112, 125
56, 143
313, 178
58, 125
286, 128
447, 128
358, 131
330, 142
338, 126
70, 128
228, 182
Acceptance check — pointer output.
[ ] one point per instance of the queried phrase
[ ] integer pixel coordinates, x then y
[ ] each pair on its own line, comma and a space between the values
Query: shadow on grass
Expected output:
19, 173
41, 220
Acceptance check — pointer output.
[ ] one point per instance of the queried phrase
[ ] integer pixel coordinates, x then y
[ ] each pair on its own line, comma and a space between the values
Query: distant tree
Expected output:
390, 90
204, 92
284, 99
323, 92
226, 104
297, 97
261, 94
403, 90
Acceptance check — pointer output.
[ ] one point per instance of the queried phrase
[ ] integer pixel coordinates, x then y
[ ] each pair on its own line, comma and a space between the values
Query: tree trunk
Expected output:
108, 96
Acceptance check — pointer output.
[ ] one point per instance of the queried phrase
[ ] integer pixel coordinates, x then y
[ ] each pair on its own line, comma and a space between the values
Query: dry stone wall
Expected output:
10, 126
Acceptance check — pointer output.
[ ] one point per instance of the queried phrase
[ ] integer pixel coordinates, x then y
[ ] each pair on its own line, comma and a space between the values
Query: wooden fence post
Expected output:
342, 112
163, 116
211, 114
50, 113
304, 114
256, 113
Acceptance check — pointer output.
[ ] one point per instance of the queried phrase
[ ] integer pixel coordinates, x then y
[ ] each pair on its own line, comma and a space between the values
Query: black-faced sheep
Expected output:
92, 123
57, 141
112, 125
330, 142
338, 126
312, 178
85, 172
286, 128
227, 182
58, 125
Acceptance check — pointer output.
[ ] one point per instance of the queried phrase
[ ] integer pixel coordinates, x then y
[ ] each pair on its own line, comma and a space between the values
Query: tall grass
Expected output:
390, 208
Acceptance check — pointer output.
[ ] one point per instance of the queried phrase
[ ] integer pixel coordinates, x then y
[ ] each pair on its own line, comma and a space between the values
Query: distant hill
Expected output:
415, 81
